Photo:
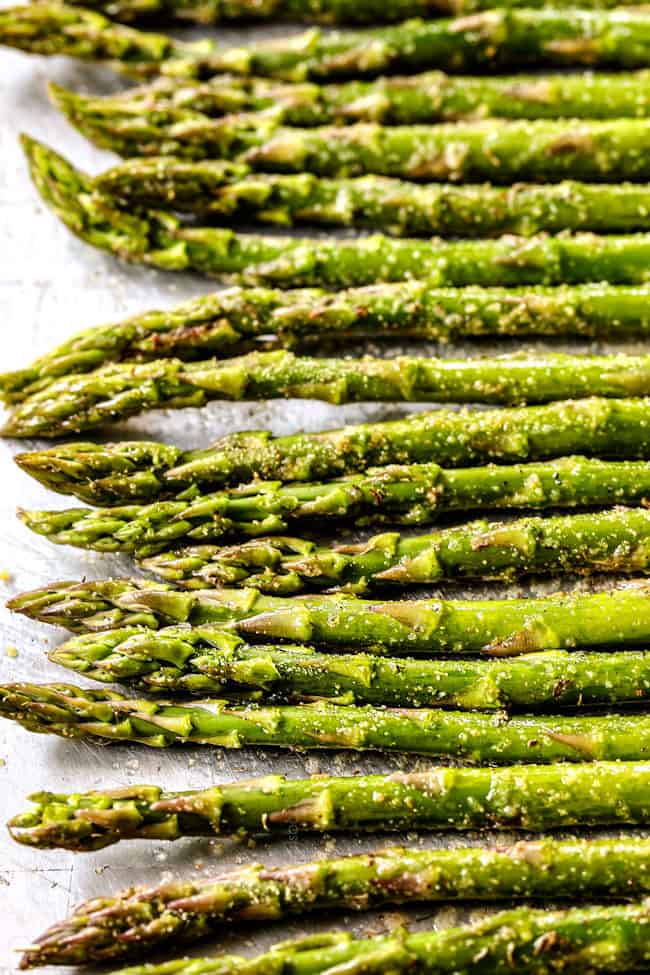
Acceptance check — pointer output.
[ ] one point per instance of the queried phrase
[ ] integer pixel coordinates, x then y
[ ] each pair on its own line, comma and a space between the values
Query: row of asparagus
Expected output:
501, 151
613, 938
494, 39
316, 11
161, 239
411, 494
291, 695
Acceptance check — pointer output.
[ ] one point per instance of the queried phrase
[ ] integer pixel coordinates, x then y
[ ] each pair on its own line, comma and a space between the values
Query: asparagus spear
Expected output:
76, 712
231, 322
496, 150
489, 149
411, 494
429, 97
499, 627
495, 39
136, 920
220, 190
611, 541
209, 660
533, 942
159, 239
141, 471
530, 797
316, 11
85, 401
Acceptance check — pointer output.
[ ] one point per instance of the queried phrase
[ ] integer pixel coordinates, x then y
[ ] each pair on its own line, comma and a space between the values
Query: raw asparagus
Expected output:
532, 942
231, 322
140, 471
494, 39
86, 401
530, 797
209, 660
489, 149
411, 494
235, 193
429, 97
611, 541
498, 627
159, 239
76, 712
316, 11
135, 920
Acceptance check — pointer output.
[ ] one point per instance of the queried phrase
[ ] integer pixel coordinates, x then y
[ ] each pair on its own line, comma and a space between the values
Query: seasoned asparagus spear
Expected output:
316, 11
489, 149
140, 471
411, 494
532, 942
76, 712
429, 97
86, 401
496, 150
137, 920
530, 797
209, 660
230, 322
495, 39
159, 239
231, 192
611, 541
498, 627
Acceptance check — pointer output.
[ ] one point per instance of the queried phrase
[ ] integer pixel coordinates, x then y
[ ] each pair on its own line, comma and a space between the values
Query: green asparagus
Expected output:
411, 494
315, 11
161, 240
499, 627
494, 39
76, 712
529, 797
611, 541
429, 97
531, 942
85, 401
229, 192
105, 474
234, 321
489, 149
137, 920
208, 660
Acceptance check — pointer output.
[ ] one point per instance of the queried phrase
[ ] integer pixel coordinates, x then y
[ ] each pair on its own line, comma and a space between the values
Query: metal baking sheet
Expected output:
51, 285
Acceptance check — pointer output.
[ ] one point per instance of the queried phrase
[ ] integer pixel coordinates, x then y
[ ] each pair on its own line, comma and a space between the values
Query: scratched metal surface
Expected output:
51, 285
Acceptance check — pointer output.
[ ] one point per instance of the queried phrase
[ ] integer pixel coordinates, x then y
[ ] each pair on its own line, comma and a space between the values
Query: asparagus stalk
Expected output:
209, 660
411, 494
137, 920
85, 401
379, 202
159, 239
533, 942
611, 541
500, 151
499, 627
231, 322
490, 149
75, 712
140, 471
530, 797
494, 39
429, 97
316, 11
